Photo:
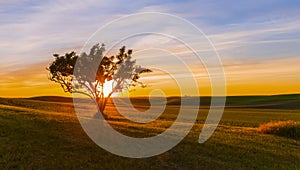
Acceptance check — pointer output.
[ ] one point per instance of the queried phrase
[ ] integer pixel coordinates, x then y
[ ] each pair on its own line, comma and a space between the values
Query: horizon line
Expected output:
250, 95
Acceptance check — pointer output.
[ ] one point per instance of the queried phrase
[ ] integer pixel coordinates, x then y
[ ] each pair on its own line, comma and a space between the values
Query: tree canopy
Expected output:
75, 73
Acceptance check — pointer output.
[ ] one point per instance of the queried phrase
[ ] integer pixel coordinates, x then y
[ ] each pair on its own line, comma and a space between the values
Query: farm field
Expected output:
44, 133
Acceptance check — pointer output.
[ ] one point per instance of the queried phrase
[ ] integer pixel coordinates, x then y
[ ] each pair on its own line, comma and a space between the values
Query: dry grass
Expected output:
289, 128
36, 135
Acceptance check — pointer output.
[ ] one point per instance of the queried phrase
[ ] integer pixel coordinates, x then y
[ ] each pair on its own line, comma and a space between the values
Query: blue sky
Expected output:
38, 28
244, 32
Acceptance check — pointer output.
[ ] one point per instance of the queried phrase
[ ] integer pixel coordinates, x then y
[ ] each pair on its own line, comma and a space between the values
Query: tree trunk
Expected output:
104, 104
101, 102
101, 106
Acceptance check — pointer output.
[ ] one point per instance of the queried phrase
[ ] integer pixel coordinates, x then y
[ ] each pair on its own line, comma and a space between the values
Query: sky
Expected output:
257, 41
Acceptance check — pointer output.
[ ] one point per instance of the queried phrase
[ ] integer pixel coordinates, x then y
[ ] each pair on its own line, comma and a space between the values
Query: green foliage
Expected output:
62, 69
79, 78
289, 128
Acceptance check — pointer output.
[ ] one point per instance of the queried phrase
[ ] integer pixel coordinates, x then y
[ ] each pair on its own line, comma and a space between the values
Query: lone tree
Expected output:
93, 70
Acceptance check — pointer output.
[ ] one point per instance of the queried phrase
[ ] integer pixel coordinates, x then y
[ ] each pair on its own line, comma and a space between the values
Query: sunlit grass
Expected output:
288, 128
38, 139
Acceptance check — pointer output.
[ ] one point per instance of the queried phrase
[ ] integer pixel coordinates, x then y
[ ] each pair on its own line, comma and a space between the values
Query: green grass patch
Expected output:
39, 139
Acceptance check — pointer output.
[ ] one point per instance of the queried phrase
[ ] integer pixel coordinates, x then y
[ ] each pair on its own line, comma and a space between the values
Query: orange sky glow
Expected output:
262, 78
257, 42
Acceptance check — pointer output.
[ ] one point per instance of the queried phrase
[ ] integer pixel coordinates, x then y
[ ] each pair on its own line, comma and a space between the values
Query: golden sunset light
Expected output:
143, 85
279, 76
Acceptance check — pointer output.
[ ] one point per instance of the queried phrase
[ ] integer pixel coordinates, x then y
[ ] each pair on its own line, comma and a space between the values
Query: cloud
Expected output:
48, 27
32, 76
36, 29
243, 32
255, 41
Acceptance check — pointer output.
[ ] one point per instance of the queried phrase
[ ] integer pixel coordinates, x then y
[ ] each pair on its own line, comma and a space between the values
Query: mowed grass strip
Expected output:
31, 139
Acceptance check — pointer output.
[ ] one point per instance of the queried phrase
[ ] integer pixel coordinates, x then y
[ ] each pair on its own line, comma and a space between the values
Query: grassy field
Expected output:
39, 133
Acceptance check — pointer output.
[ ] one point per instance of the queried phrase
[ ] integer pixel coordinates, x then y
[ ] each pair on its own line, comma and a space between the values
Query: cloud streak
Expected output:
254, 38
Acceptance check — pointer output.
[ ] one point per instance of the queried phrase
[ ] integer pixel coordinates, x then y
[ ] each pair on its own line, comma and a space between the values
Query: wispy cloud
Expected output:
30, 76
244, 33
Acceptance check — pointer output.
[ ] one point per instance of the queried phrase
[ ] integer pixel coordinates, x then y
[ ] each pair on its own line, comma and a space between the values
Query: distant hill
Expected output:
52, 99
290, 101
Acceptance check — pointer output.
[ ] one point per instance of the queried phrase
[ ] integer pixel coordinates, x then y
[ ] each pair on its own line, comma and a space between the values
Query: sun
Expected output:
107, 87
